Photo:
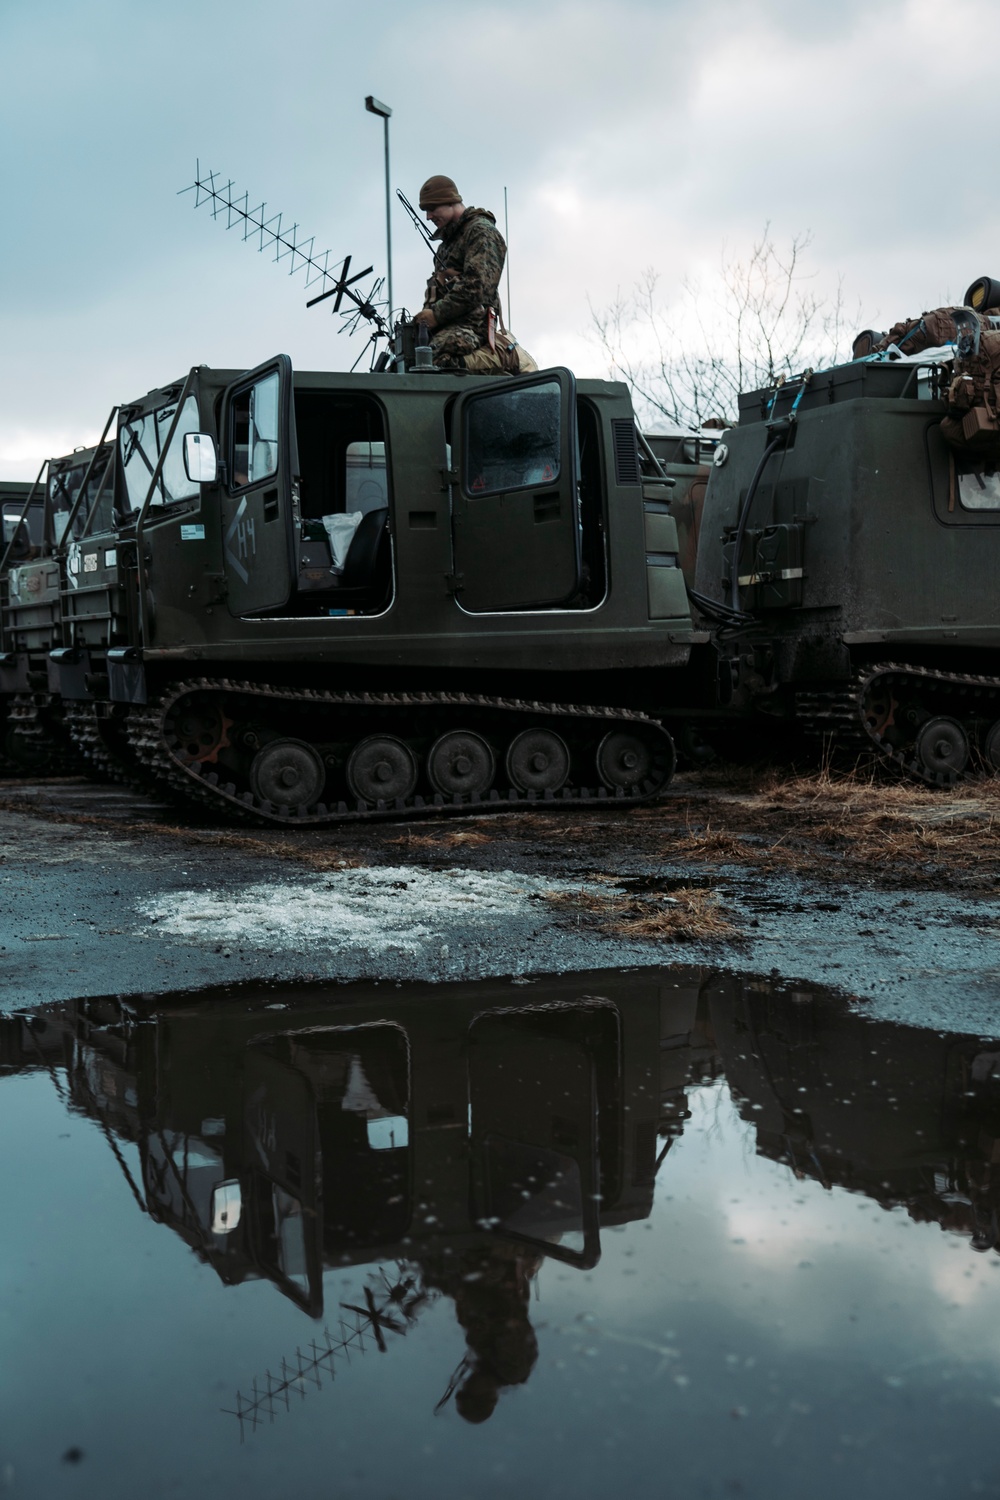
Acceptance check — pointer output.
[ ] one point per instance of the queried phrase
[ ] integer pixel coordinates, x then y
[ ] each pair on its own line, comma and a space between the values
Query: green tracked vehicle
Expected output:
852, 557
38, 570
328, 596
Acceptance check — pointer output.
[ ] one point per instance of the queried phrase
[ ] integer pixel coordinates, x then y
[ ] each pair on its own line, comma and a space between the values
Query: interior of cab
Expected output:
344, 552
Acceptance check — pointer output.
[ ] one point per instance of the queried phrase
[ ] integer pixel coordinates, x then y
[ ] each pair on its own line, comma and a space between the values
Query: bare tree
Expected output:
756, 322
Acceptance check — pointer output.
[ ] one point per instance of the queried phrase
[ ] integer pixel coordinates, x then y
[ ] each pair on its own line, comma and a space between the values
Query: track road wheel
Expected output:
991, 747
461, 763
538, 761
942, 747
631, 760
288, 773
380, 769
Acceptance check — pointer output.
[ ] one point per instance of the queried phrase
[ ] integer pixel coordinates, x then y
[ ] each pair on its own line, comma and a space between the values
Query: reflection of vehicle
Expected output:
280, 1143
905, 1115
337, 596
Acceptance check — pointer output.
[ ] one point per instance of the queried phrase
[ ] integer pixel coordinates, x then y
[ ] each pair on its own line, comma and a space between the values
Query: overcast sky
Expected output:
628, 134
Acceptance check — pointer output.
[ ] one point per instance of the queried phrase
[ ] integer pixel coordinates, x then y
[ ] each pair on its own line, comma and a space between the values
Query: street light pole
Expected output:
376, 107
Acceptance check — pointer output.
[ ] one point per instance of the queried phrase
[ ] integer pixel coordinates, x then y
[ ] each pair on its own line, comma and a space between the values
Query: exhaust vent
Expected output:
626, 450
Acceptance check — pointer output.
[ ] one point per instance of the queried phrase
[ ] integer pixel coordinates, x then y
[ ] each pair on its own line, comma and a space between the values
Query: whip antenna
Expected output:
506, 235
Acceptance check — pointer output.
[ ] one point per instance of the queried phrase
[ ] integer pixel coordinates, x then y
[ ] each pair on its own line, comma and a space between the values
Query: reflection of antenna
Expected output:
268, 232
386, 1305
296, 1376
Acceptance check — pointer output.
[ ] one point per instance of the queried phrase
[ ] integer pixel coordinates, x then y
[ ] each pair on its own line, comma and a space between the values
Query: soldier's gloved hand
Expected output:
426, 316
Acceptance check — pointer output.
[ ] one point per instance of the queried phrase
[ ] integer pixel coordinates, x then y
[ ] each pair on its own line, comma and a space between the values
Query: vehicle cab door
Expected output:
259, 507
515, 494
282, 1149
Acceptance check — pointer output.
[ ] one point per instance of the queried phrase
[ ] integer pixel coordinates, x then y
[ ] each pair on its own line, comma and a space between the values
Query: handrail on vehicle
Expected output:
74, 508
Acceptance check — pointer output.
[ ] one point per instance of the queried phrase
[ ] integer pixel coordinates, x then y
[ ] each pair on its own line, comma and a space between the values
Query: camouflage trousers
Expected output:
452, 343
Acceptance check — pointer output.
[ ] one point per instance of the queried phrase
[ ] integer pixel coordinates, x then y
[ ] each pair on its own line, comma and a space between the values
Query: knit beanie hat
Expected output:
438, 192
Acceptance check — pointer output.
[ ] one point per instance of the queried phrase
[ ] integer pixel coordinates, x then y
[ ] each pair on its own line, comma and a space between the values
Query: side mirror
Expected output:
227, 1198
201, 464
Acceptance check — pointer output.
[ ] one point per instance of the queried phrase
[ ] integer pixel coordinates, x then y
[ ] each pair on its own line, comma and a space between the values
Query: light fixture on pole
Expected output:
376, 107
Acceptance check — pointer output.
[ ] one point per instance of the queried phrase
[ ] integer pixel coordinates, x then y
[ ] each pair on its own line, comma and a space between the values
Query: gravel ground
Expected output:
888, 896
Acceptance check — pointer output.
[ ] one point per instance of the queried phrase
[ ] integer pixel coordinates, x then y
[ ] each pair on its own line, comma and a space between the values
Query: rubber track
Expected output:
145, 731
55, 757
85, 733
840, 713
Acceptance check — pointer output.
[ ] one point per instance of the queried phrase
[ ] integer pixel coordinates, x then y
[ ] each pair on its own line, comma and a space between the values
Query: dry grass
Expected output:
851, 819
825, 823
448, 838
687, 915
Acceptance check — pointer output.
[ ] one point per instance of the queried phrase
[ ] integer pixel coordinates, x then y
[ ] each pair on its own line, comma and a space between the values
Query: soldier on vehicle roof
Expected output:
462, 302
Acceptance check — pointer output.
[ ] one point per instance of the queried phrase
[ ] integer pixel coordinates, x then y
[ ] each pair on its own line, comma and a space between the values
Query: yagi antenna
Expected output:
269, 233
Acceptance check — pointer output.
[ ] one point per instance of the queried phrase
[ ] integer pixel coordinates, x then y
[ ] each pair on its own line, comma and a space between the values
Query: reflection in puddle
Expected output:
409, 1166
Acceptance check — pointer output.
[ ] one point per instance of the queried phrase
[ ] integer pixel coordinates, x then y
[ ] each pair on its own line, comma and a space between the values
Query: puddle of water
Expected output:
666, 1232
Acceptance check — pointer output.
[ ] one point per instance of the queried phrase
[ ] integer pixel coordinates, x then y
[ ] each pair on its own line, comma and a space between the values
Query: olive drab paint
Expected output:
400, 592
869, 565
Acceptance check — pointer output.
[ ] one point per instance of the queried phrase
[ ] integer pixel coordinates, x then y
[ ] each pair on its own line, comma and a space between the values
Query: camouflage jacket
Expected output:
467, 270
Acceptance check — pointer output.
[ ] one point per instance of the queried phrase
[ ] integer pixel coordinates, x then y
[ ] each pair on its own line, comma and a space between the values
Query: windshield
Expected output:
141, 441
64, 487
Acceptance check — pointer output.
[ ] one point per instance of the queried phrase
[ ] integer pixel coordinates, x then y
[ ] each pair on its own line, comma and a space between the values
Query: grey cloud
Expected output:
634, 133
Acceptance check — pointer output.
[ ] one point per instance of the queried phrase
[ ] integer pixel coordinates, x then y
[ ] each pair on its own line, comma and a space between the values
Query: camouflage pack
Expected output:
973, 420
914, 335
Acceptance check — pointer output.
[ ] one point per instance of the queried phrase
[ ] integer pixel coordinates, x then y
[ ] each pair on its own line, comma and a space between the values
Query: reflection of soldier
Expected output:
462, 298
491, 1288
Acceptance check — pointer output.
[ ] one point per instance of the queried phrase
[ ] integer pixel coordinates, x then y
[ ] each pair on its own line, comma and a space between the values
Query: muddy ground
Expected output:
886, 891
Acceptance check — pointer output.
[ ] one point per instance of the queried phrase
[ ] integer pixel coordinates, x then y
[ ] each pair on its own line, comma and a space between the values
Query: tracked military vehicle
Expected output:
39, 567
853, 551
326, 597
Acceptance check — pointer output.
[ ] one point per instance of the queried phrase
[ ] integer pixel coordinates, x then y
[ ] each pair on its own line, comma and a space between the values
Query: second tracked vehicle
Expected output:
854, 554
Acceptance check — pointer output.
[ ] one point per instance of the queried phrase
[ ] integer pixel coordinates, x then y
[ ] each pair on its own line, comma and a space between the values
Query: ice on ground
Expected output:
396, 908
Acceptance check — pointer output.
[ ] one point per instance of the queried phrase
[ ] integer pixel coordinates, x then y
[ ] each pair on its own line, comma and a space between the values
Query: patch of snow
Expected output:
396, 907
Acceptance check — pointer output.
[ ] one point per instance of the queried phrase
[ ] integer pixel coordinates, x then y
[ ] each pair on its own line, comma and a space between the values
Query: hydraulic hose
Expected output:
741, 527
721, 613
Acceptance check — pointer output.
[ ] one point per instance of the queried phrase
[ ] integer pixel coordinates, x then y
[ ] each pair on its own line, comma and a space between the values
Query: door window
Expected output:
978, 485
254, 428
512, 440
